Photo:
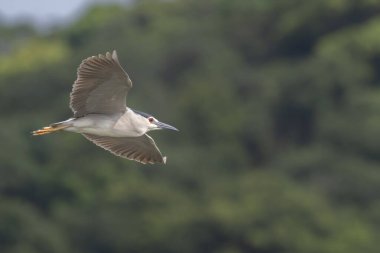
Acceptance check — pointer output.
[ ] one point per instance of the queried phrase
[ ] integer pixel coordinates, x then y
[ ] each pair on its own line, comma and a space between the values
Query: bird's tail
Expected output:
52, 128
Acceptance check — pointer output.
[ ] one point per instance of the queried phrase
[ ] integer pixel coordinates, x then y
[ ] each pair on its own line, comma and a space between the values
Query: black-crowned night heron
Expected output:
102, 116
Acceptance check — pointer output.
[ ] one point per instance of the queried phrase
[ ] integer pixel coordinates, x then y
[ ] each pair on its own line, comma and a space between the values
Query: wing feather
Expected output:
142, 149
101, 86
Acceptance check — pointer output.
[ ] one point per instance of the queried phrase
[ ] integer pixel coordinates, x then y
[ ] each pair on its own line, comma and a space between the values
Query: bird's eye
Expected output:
150, 119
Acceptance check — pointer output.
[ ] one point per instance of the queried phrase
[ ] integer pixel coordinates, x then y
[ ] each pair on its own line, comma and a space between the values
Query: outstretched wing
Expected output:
142, 149
101, 86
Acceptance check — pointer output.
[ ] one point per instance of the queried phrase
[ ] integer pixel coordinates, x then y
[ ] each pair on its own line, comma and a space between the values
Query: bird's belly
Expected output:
103, 132
101, 126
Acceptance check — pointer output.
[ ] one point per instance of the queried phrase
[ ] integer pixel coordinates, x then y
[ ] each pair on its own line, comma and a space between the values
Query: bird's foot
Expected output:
48, 130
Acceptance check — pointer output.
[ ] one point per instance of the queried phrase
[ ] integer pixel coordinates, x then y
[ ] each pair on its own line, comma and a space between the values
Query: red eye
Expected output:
150, 119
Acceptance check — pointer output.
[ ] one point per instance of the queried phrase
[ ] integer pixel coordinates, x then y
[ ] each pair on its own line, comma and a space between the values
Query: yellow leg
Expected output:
48, 130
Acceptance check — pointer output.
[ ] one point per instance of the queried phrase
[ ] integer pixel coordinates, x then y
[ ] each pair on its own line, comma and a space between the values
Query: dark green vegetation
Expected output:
278, 103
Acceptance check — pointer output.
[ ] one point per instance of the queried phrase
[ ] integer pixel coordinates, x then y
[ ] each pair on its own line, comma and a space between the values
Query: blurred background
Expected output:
278, 103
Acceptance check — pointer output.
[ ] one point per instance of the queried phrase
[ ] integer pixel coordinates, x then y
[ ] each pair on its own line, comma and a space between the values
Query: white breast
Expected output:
116, 125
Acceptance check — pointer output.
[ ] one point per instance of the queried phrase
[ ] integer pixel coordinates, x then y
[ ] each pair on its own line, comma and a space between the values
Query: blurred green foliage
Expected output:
279, 151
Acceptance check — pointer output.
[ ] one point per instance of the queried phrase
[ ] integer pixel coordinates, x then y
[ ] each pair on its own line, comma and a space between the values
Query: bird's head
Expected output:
153, 124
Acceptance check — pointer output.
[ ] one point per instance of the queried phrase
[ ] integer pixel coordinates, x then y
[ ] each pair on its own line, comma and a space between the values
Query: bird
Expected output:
101, 114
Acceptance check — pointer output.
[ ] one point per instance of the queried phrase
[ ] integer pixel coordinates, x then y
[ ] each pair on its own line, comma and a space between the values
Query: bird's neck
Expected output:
138, 122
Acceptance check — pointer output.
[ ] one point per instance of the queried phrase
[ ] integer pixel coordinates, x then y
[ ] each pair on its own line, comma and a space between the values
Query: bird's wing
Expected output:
142, 149
101, 86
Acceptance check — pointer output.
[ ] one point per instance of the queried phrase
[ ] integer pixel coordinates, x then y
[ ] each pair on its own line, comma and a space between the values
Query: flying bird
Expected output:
98, 101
